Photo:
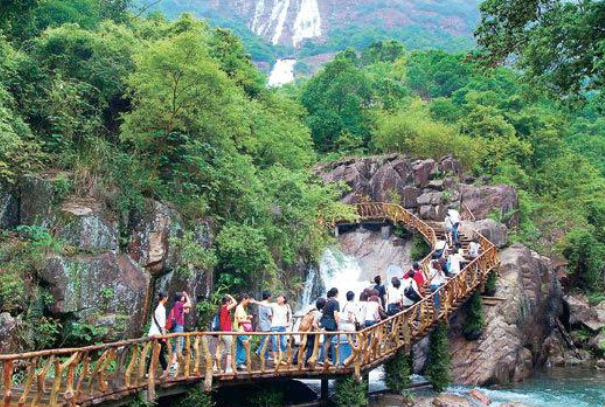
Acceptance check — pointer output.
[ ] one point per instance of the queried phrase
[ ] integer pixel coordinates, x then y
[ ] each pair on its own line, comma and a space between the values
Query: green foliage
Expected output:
140, 401
192, 255
197, 398
397, 373
475, 318
420, 248
272, 397
491, 283
586, 258
438, 364
350, 393
76, 333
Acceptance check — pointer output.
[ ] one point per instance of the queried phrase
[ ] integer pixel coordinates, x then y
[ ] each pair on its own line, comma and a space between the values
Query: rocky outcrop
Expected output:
512, 342
9, 208
486, 200
38, 193
427, 187
87, 227
495, 232
93, 287
150, 240
9, 326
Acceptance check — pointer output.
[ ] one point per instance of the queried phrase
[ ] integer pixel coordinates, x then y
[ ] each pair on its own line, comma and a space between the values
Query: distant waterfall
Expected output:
307, 23
282, 73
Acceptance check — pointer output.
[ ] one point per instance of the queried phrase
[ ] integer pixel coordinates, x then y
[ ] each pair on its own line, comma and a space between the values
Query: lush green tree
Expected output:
337, 99
437, 74
397, 372
475, 318
585, 254
558, 43
438, 364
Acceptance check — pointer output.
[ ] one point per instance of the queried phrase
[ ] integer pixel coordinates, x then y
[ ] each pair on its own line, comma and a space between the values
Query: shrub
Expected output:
420, 249
585, 254
270, 397
397, 373
196, 398
490, 284
438, 369
350, 393
475, 320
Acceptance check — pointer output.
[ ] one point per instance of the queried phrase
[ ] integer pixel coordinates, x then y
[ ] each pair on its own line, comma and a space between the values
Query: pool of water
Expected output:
570, 387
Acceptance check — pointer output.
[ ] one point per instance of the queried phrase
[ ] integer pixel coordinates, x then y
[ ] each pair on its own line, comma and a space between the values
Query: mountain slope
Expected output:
311, 27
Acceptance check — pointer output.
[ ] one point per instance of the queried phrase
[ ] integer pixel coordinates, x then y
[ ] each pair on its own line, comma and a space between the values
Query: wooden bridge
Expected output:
114, 372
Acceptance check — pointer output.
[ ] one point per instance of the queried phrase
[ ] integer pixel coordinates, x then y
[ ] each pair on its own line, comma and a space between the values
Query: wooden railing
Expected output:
96, 374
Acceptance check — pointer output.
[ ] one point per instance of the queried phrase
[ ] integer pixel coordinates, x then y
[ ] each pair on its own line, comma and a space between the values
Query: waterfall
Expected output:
307, 23
282, 73
336, 269
279, 16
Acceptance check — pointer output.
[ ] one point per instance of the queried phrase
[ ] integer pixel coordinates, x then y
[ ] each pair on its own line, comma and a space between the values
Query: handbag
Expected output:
246, 326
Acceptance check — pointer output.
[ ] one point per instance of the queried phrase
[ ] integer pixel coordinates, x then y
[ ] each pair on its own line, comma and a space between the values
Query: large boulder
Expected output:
451, 401
495, 232
90, 287
517, 327
85, 225
150, 240
485, 200
582, 314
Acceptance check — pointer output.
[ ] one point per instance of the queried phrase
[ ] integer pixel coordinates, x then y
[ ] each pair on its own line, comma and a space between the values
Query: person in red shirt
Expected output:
225, 322
418, 276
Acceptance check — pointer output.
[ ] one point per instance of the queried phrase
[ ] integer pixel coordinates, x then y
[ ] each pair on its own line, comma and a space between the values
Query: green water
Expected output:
571, 387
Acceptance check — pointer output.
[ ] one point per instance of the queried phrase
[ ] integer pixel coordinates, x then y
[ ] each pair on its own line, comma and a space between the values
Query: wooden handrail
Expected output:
94, 374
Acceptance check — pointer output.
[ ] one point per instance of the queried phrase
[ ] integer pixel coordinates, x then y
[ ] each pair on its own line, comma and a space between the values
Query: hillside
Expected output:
312, 27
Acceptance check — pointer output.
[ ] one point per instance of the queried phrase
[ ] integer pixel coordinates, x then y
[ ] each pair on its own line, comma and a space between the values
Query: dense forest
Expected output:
127, 107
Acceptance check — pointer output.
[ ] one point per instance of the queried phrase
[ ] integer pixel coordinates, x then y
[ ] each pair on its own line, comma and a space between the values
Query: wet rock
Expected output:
150, 240
582, 313
496, 232
9, 208
485, 200
86, 226
554, 350
516, 328
451, 401
480, 397
91, 286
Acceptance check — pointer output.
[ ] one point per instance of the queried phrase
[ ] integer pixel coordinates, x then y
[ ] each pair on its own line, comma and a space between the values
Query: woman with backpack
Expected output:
310, 323
158, 328
411, 292
176, 321
282, 319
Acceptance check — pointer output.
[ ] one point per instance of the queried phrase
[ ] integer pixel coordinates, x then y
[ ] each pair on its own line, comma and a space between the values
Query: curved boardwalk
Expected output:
113, 372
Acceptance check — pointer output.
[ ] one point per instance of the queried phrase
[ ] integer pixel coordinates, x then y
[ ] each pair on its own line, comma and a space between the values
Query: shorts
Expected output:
226, 341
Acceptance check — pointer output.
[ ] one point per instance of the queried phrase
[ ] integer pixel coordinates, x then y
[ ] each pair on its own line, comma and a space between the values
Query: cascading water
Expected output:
336, 269
307, 23
282, 73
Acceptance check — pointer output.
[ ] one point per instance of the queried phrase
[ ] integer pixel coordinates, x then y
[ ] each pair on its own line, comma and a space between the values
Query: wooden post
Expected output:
325, 390
209, 364
151, 378
7, 382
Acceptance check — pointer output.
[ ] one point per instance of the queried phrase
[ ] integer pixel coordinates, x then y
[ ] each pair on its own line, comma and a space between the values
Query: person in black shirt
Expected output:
329, 321
382, 291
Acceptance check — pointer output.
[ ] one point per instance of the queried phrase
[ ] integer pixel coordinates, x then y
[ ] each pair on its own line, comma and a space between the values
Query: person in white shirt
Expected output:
440, 249
282, 319
437, 279
454, 261
452, 223
157, 329
474, 248
348, 316
394, 297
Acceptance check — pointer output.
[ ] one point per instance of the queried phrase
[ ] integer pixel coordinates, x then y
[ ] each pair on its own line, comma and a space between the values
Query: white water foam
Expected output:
258, 27
279, 14
336, 269
282, 73
307, 23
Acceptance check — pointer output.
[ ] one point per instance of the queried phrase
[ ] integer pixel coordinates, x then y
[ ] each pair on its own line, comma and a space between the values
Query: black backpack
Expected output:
411, 294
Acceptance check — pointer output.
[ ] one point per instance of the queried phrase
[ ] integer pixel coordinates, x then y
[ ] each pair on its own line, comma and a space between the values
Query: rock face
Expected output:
424, 186
496, 232
9, 208
512, 342
150, 240
91, 287
8, 338
87, 227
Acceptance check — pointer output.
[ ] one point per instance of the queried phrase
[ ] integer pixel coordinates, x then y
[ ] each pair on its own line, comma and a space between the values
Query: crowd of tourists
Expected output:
344, 313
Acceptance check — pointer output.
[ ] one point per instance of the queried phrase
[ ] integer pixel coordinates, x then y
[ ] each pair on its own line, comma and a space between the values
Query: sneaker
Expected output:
242, 367
229, 371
